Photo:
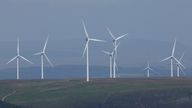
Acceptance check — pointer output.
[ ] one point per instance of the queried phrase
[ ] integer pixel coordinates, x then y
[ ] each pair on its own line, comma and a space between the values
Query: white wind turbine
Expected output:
148, 69
180, 67
86, 50
18, 57
43, 55
115, 39
111, 57
172, 58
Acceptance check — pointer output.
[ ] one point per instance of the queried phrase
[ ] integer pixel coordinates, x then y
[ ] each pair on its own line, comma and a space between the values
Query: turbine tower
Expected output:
17, 58
111, 57
172, 58
115, 39
86, 49
114, 60
110, 54
44, 56
148, 69
180, 67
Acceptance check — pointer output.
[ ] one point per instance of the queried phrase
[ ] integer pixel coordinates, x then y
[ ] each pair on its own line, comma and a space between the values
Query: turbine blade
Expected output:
116, 66
45, 46
37, 53
106, 52
121, 36
86, 46
182, 66
115, 49
25, 59
110, 33
18, 48
181, 58
179, 62
97, 40
166, 59
12, 60
173, 51
182, 71
48, 60
85, 29
150, 69
117, 46
145, 68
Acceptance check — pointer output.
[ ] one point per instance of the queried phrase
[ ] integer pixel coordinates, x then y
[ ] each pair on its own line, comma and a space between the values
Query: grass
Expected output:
99, 93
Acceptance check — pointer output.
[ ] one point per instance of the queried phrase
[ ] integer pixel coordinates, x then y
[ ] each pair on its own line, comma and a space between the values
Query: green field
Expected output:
99, 93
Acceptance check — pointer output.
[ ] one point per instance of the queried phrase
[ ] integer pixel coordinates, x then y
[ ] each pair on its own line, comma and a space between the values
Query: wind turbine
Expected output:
180, 67
86, 50
43, 55
148, 69
172, 58
115, 39
111, 57
17, 58
114, 60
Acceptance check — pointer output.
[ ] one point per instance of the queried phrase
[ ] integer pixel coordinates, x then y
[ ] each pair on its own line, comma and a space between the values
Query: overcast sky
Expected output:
152, 26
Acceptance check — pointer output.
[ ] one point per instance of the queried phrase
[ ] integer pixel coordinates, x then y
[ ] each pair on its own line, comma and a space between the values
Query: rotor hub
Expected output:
86, 39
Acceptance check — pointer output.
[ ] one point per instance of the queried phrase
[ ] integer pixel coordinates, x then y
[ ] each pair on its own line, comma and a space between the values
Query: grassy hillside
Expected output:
100, 93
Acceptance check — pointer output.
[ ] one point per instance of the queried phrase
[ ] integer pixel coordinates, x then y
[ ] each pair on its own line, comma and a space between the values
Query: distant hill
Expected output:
79, 71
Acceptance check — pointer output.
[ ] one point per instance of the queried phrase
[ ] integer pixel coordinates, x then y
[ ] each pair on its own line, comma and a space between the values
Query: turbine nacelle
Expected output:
43, 53
18, 56
113, 37
86, 39
148, 67
108, 53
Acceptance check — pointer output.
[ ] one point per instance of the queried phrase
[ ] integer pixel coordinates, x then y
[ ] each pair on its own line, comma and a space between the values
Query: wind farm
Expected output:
92, 54
101, 92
